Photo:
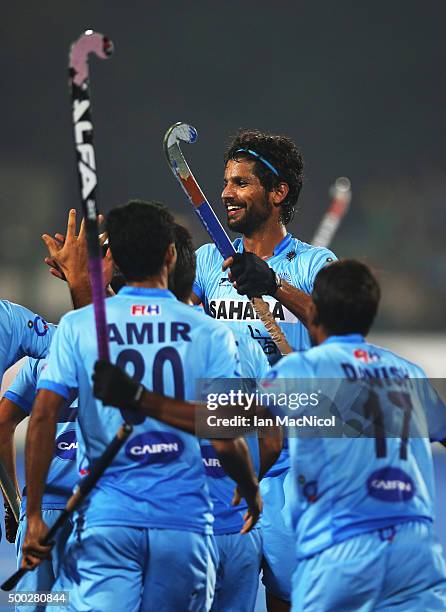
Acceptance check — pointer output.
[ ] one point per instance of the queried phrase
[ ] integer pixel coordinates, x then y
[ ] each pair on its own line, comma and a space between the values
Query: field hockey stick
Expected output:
341, 195
177, 163
9, 492
89, 42
82, 489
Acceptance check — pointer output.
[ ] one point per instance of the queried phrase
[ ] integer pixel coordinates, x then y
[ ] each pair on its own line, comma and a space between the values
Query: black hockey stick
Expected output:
100, 45
9, 492
82, 489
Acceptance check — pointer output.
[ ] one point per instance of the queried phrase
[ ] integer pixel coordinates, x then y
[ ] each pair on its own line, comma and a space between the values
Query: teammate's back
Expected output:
363, 484
372, 481
167, 346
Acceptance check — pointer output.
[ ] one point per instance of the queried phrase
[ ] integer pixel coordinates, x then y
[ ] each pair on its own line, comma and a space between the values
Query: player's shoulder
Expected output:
11, 310
415, 370
310, 254
295, 364
76, 317
208, 252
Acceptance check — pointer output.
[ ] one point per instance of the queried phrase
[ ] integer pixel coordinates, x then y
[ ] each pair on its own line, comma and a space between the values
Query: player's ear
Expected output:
170, 258
279, 193
109, 255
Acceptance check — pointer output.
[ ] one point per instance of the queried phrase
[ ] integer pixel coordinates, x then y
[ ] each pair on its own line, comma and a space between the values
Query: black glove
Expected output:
11, 524
114, 387
253, 276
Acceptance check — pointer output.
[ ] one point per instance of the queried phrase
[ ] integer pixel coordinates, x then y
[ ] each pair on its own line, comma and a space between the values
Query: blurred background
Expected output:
360, 87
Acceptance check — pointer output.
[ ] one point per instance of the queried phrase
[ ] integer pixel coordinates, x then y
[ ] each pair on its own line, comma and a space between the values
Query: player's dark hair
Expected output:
183, 276
346, 295
139, 233
279, 152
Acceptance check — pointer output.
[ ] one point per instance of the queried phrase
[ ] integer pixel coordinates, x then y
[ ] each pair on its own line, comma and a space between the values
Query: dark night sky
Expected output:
359, 86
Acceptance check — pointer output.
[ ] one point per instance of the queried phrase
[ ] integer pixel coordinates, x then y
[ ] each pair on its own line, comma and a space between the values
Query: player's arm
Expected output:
38, 455
10, 416
270, 446
236, 461
253, 277
115, 388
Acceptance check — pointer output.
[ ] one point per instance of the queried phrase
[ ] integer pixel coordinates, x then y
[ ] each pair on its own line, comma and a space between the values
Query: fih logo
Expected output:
87, 163
366, 356
66, 446
212, 465
141, 310
154, 447
391, 485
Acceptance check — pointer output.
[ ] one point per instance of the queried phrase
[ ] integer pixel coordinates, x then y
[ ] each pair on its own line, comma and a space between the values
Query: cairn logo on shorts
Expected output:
391, 485
211, 462
66, 446
144, 310
154, 447
39, 325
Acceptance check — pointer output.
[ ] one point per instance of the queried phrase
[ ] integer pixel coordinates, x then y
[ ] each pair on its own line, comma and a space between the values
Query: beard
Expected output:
252, 220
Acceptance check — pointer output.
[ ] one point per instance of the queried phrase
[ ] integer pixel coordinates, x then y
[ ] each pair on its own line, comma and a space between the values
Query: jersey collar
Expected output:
146, 291
283, 244
347, 339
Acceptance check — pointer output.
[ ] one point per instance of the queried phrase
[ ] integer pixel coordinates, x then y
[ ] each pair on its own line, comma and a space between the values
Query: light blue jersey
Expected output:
21, 333
157, 480
296, 262
345, 486
229, 519
62, 473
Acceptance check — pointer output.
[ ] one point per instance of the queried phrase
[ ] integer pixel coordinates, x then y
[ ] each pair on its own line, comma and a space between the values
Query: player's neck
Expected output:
263, 241
151, 282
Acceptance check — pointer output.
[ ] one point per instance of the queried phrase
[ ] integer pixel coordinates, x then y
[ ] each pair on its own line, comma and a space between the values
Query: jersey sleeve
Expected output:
318, 258
6, 332
434, 410
203, 263
34, 332
23, 388
60, 375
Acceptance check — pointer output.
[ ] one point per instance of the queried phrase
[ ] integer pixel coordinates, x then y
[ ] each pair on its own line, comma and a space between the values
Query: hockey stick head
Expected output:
182, 132
89, 42
179, 132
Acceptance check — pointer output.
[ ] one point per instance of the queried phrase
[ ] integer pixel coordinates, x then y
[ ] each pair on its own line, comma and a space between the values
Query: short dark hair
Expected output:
346, 295
139, 234
183, 276
282, 154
